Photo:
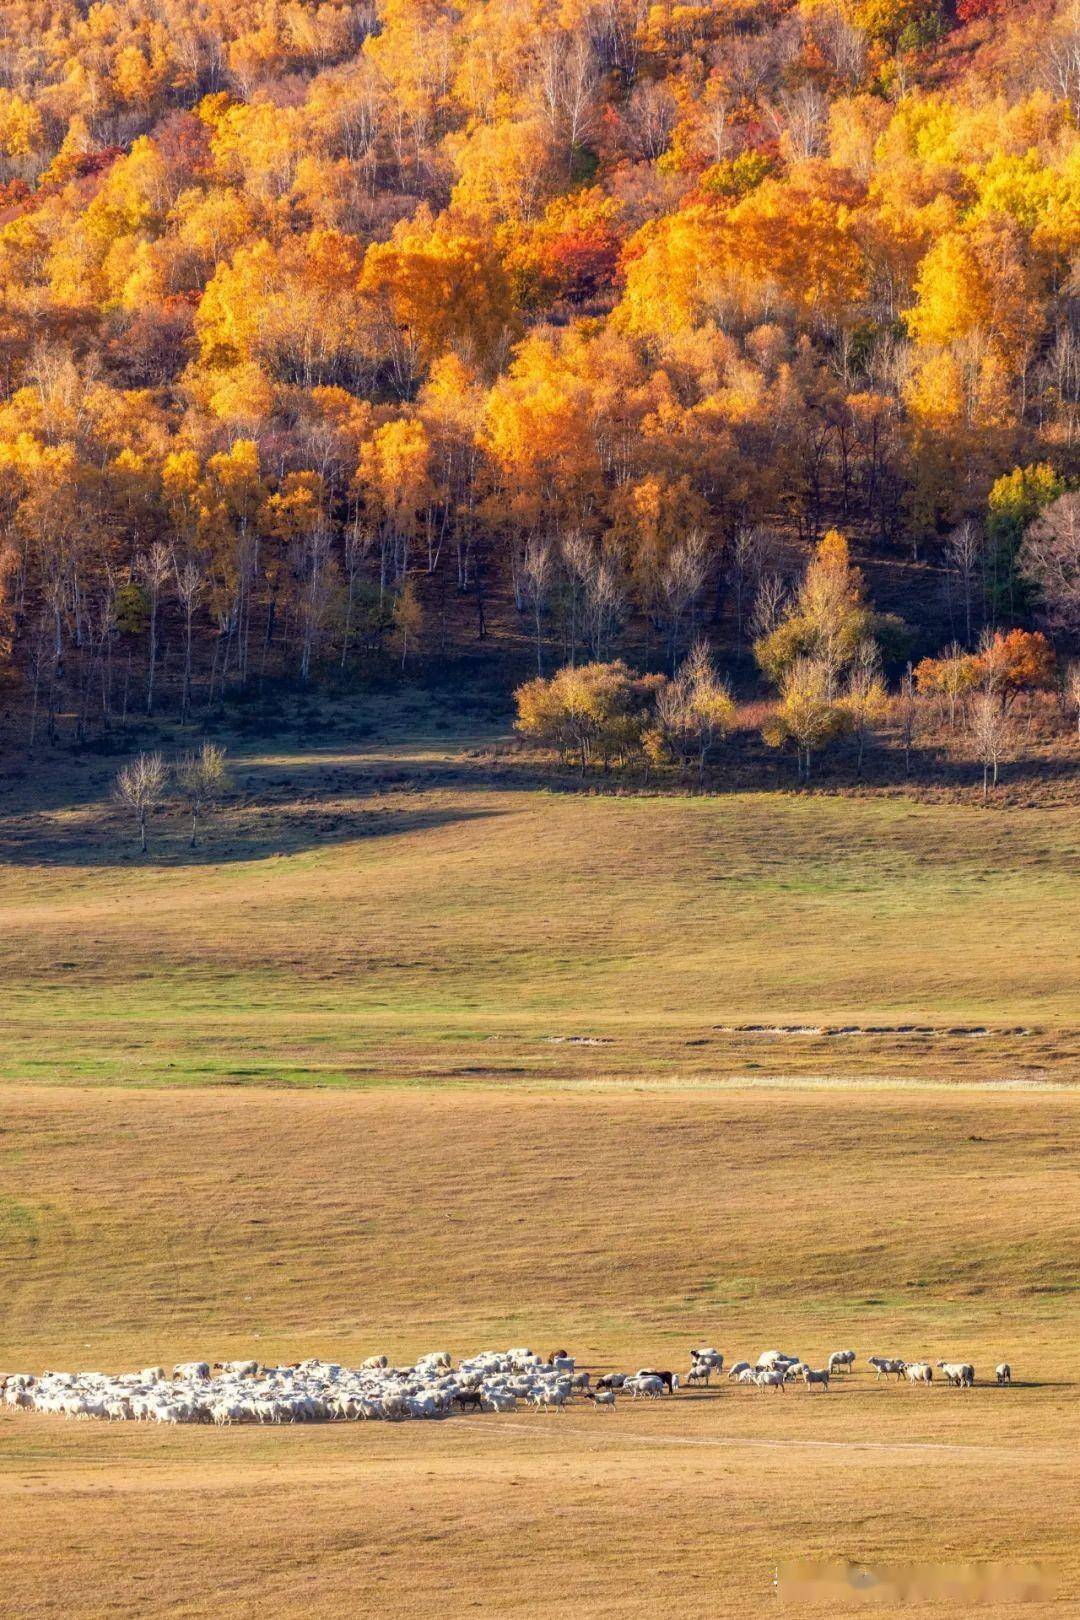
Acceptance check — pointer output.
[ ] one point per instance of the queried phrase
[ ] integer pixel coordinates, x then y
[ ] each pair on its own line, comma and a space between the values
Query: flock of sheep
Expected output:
494, 1381
774, 1370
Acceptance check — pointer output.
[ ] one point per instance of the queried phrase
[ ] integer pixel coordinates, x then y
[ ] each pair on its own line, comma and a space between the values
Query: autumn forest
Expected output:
636, 343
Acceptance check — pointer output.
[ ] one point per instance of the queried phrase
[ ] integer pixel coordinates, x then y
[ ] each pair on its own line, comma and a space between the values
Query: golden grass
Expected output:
630, 1224
343, 931
487, 1083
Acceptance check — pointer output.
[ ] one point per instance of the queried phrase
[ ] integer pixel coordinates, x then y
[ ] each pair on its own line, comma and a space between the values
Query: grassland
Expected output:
416, 1054
406, 914
628, 1224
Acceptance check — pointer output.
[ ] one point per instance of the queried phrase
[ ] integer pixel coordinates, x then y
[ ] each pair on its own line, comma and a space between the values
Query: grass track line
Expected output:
961, 1448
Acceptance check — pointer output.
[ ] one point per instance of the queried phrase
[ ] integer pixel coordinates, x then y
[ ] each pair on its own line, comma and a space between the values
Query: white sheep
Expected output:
1003, 1372
884, 1365
773, 1376
919, 1372
810, 1377
841, 1360
960, 1373
649, 1386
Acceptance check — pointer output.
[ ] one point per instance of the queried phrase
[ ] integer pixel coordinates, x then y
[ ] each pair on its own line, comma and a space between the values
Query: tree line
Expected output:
328, 328
823, 657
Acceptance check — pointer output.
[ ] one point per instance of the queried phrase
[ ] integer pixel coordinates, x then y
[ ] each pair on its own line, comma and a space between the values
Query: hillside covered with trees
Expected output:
337, 335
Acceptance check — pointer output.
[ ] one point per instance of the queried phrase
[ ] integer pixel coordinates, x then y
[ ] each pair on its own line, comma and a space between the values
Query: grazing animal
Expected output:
960, 1373
470, 1398
649, 1386
739, 1368
612, 1381
192, 1369
919, 1372
238, 1369
703, 1363
884, 1365
1003, 1373
601, 1397
770, 1375
820, 1378
669, 1380
841, 1360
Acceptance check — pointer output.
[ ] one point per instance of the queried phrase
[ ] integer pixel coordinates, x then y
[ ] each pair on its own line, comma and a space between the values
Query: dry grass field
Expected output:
405, 914
413, 1059
626, 1223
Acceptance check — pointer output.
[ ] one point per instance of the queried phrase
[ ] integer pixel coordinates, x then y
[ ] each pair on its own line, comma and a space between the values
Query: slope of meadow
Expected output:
144, 1224
486, 1080
402, 913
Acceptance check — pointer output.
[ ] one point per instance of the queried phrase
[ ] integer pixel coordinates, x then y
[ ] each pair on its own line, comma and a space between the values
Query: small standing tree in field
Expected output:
952, 677
990, 732
909, 715
202, 777
694, 712
806, 713
865, 701
587, 711
408, 618
140, 787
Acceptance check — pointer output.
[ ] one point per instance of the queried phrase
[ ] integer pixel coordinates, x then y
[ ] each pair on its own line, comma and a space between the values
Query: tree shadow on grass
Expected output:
254, 833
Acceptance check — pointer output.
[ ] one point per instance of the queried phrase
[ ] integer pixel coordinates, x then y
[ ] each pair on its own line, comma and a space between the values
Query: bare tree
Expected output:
964, 549
909, 714
568, 85
579, 561
749, 550
991, 733
803, 117
651, 115
841, 44
202, 777
1050, 559
681, 580
716, 127
358, 543
153, 567
1072, 692
189, 587
768, 607
1061, 60
537, 569
865, 701
604, 602
140, 787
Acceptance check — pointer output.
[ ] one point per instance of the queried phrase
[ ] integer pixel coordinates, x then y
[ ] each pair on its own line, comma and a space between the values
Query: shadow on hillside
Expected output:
251, 833
59, 809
